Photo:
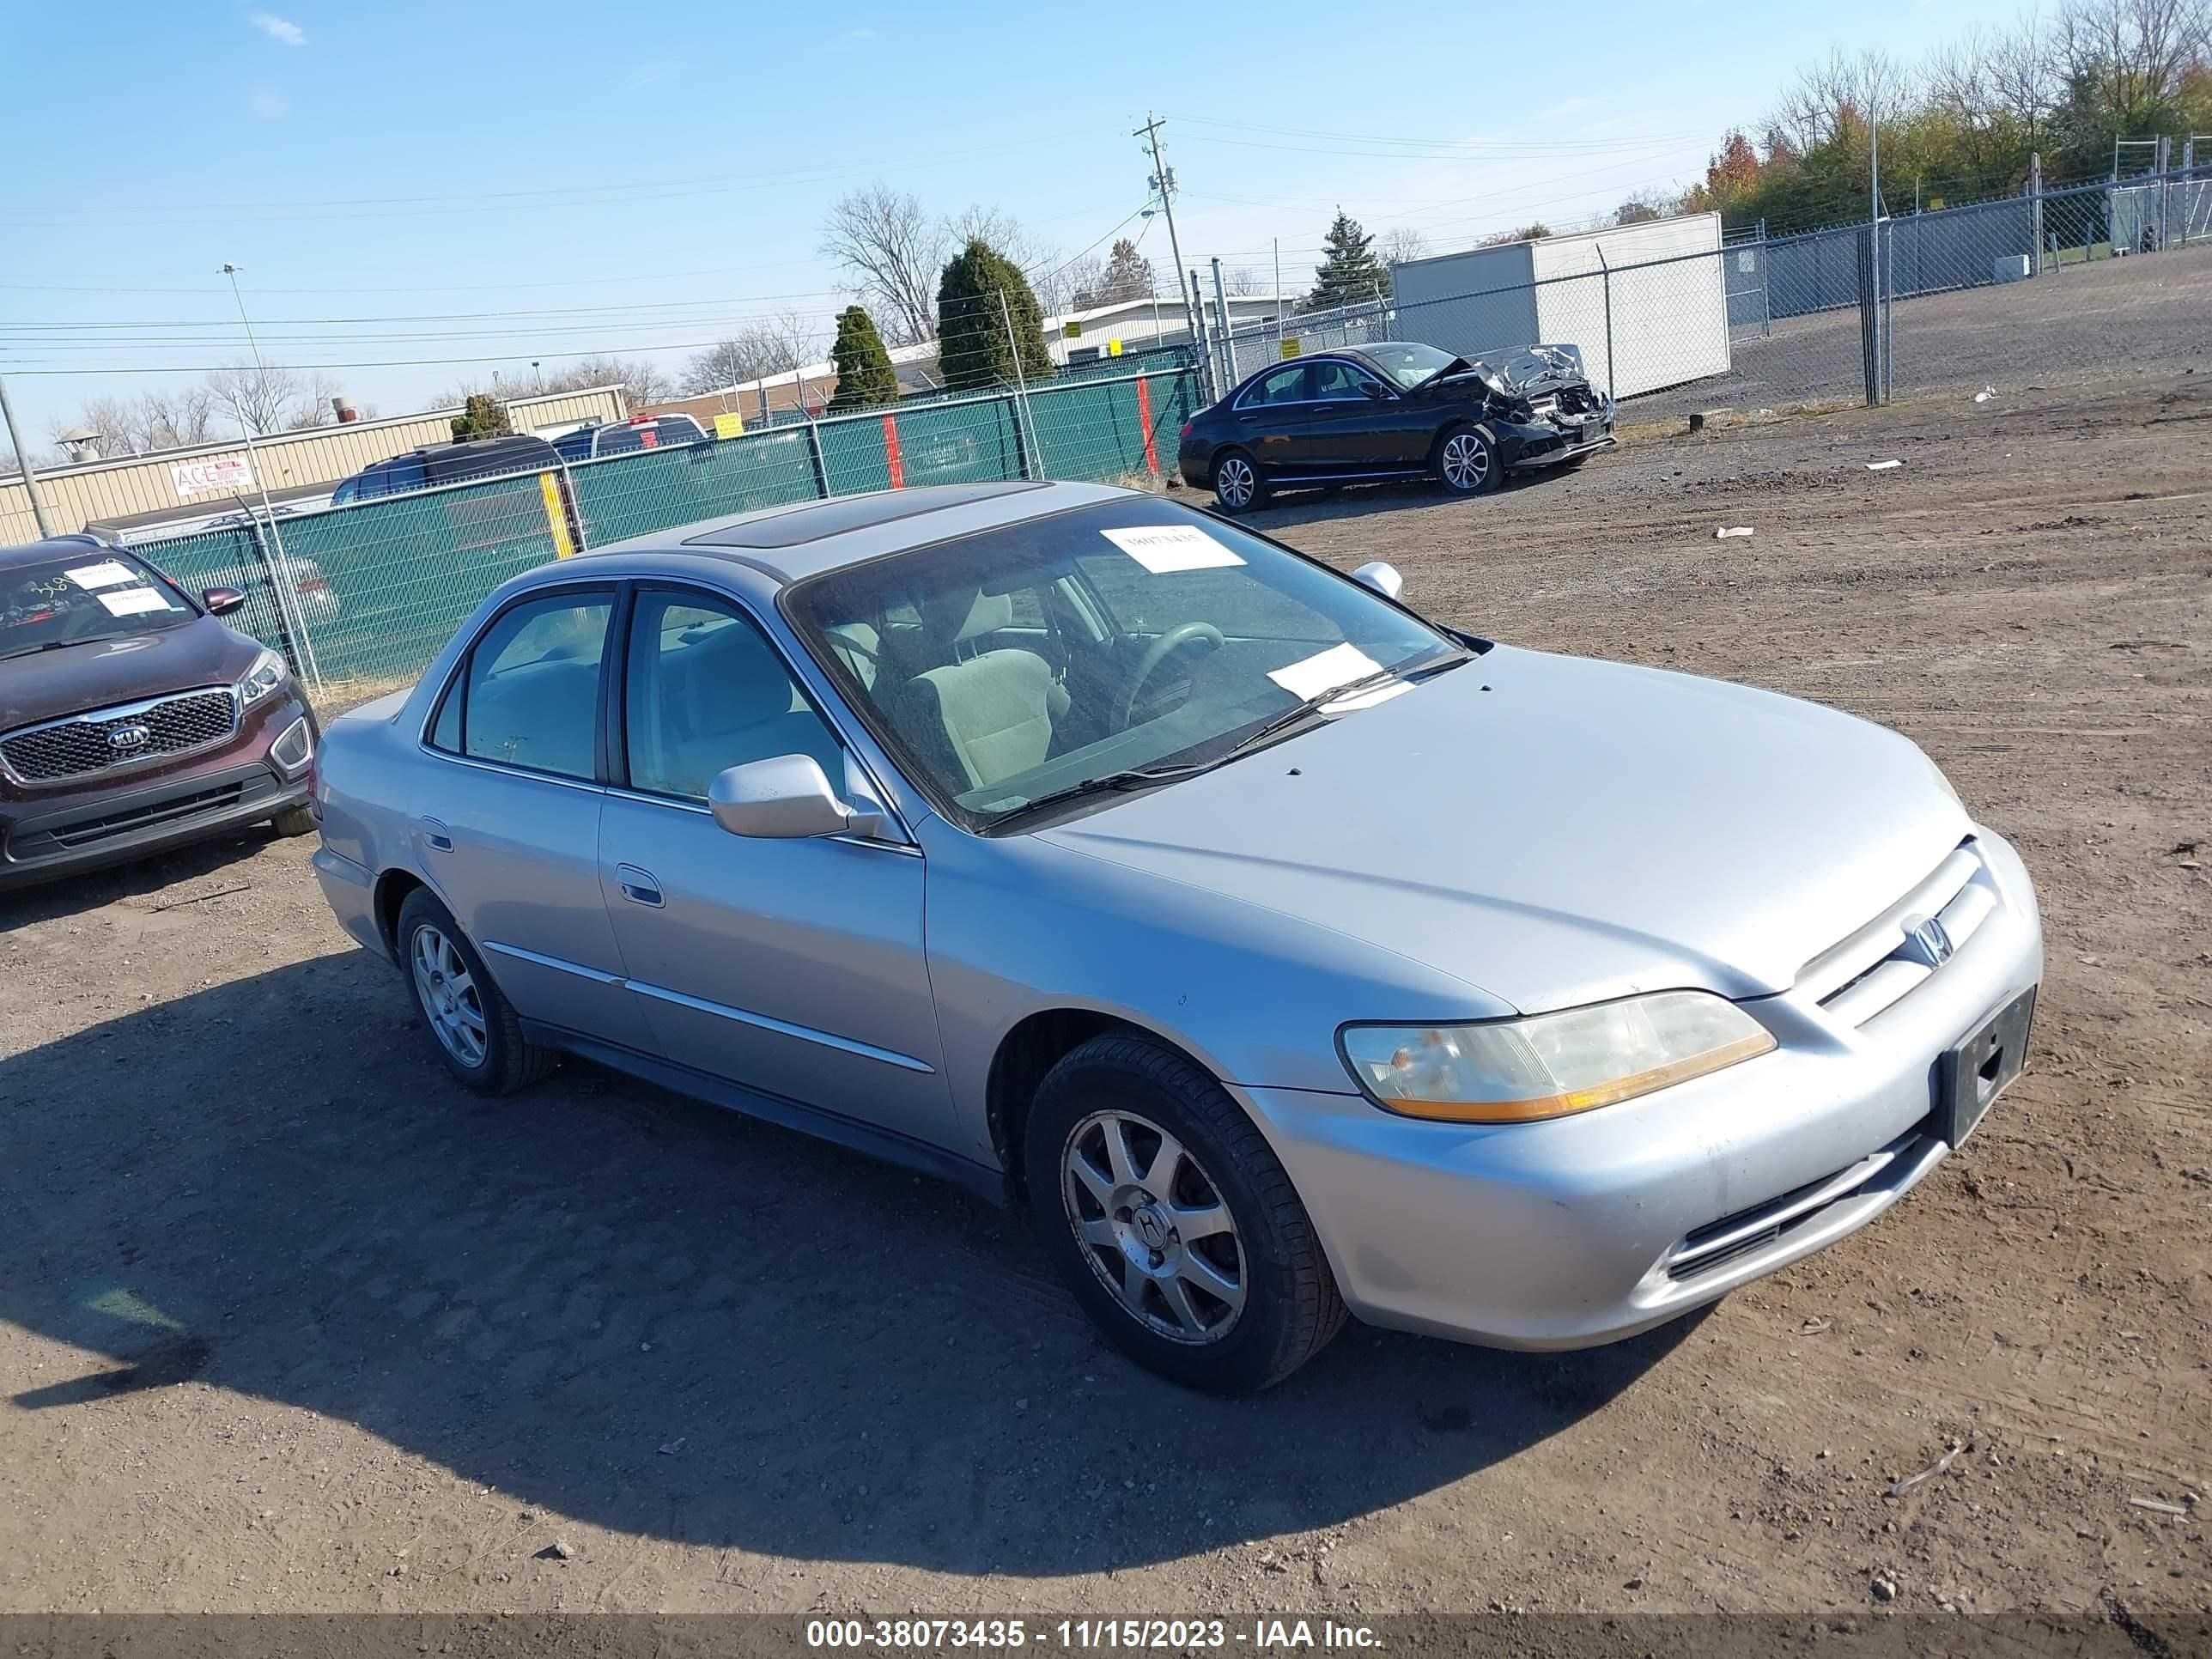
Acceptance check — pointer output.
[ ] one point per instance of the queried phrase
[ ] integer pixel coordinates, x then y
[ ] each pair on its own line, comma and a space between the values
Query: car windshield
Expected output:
102, 593
1073, 650
1409, 364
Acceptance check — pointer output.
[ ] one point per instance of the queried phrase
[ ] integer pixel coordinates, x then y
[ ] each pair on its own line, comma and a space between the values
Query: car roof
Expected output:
789, 543
74, 545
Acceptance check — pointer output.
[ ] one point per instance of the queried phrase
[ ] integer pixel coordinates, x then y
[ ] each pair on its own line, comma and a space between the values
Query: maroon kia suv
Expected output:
132, 719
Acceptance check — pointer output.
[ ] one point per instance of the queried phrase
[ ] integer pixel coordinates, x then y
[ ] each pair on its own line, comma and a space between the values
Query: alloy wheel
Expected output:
449, 996
1153, 1226
1466, 461
1234, 481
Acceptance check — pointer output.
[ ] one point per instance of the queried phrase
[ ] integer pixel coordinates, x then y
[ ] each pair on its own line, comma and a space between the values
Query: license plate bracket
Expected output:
1972, 1073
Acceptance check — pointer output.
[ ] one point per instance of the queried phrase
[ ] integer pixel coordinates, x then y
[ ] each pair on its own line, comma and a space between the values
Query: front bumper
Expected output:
1589, 1228
1550, 442
96, 830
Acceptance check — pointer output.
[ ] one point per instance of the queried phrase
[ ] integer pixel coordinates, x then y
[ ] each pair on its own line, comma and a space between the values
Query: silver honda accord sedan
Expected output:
1284, 954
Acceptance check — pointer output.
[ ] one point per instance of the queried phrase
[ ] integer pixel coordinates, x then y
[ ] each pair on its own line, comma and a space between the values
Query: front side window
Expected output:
102, 593
1024, 661
705, 692
532, 693
1337, 382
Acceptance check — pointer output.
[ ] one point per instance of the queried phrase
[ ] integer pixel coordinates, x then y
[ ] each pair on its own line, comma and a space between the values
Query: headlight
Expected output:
1511, 1071
265, 676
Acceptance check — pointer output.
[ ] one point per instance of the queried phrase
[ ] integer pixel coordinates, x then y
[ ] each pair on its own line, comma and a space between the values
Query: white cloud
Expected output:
281, 29
266, 104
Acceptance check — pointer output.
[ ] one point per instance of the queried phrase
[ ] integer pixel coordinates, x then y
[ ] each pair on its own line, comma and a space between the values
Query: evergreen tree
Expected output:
481, 416
1349, 272
973, 351
865, 379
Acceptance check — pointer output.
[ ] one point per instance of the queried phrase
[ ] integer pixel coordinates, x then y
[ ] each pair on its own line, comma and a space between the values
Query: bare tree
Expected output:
1243, 280
775, 345
260, 397
2132, 55
883, 238
1844, 93
1403, 245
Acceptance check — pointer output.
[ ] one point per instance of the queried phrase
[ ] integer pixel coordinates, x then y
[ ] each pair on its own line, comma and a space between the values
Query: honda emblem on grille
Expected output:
1927, 941
128, 740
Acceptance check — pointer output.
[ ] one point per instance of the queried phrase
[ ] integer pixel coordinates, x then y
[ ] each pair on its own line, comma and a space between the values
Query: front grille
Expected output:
101, 740
1875, 968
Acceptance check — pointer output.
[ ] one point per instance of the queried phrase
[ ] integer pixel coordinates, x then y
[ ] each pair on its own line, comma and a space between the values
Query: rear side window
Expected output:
1285, 386
530, 696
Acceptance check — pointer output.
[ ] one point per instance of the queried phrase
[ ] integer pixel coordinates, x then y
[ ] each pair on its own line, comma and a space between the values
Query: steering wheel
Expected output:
1175, 639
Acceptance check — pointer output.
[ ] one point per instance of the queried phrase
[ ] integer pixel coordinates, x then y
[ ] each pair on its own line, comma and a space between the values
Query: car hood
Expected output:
102, 672
1555, 830
1517, 374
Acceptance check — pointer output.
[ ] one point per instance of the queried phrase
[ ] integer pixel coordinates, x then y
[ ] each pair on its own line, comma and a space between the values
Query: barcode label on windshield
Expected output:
1165, 549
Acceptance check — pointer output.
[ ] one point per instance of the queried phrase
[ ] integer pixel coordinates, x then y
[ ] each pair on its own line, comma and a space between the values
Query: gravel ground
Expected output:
2112, 320
287, 1321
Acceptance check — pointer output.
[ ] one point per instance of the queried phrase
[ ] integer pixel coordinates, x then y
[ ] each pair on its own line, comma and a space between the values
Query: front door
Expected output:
507, 832
792, 966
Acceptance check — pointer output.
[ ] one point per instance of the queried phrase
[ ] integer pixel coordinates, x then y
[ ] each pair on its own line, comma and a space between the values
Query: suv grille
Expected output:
103, 738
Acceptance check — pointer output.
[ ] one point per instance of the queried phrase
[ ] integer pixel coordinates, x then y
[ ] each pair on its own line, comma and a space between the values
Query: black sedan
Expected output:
1396, 409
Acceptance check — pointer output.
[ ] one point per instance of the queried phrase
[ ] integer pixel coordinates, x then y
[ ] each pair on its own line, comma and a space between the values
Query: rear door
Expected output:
1269, 418
506, 827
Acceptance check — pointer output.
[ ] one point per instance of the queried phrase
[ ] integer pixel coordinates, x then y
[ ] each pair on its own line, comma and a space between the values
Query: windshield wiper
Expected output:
1145, 777
33, 650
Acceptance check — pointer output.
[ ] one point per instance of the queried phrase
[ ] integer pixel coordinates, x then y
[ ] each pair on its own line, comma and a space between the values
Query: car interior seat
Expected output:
980, 713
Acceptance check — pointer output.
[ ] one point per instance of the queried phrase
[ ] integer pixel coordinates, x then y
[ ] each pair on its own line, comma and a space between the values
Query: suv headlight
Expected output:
1513, 1071
267, 673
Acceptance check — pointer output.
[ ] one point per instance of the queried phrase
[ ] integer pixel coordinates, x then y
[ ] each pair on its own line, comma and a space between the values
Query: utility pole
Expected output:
23, 460
280, 569
1164, 181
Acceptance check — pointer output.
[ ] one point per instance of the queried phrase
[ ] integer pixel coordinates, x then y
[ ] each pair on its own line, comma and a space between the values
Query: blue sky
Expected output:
510, 182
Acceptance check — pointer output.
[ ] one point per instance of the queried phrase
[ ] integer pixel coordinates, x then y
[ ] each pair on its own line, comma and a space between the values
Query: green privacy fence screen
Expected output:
367, 592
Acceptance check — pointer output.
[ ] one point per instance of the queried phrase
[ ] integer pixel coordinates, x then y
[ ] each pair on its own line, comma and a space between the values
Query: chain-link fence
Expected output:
364, 595
1248, 347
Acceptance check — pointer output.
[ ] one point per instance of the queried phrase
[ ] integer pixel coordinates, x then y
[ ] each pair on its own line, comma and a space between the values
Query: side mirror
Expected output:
786, 799
222, 601
1383, 578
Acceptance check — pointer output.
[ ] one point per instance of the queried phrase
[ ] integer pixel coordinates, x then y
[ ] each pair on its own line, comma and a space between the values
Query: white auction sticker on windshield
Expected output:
134, 601
1315, 676
105, 574
1165, 549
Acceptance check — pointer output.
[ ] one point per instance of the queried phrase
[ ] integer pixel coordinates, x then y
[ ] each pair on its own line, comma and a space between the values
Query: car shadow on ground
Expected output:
642, 1313
1284, 512
80, 895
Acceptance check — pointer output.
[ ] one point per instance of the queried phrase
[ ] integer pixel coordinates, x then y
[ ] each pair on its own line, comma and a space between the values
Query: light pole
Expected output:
23, 460
280, 572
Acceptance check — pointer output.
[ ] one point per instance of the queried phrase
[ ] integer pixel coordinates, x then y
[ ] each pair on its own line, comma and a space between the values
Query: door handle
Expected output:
436, 835
639, 886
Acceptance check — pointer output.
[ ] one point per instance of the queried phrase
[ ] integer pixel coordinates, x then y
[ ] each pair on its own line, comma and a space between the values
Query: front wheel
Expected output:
1236, 482
1171, 1220
1467, 462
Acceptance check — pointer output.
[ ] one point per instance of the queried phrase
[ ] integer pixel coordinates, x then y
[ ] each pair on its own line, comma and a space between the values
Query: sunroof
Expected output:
812, 523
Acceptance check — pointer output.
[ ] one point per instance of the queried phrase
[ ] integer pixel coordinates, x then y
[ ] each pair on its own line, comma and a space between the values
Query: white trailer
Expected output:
1666, 324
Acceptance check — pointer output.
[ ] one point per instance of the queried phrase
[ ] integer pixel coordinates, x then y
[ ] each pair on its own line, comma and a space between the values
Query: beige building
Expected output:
213, 476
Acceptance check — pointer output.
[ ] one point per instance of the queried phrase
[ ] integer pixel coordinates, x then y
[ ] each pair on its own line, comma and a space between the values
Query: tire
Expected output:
295, 821
1284, 1307
500, 1060
1466, 462
1237, 485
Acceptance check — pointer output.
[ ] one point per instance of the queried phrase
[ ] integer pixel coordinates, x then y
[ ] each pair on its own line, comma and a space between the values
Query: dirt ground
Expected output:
287, 1321
2112, 320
